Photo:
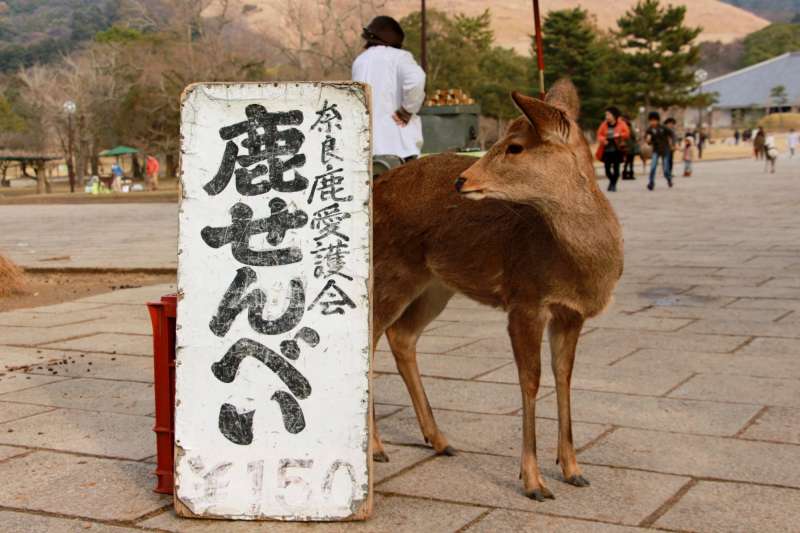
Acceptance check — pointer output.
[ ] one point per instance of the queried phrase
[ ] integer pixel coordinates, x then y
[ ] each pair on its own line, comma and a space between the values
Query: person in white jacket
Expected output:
398, 89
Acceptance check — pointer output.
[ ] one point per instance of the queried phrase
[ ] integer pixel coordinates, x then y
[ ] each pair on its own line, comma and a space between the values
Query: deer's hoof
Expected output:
449, 451
578, 481
380, 457
540, 495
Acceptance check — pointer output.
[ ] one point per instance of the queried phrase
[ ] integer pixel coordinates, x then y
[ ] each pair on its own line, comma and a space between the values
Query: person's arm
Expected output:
412, 79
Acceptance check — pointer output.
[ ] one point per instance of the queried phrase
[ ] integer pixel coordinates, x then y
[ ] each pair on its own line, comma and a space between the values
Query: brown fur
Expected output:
530, 233
12, 279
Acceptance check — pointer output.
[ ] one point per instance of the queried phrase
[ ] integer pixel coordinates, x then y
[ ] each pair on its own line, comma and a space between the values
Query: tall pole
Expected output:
539, 49
423, 34
70, 152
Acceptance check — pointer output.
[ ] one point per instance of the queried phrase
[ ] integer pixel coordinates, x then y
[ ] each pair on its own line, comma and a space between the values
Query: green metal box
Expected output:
449, 128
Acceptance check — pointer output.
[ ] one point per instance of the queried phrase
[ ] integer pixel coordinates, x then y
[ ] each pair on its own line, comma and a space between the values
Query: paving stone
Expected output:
626, 497
741, 327
447, 366
668, 414
480, 433
495, 348
36, 319
657, 361
7, 452
68, 308
731, 507
701, 456
763, 391
690, 342
13, 357
17, 522
90, 432
705, 313
743, 280
601, 378
133, 327
502, 521
14, 411
766, 348
400, 458
748, 292
391, 514
98, 365
92, 394
384, 410
14, 381
109, 343
780, 424
481, 314
37, 336
619, 321
651, 361
87, 487
427, 344
766, 303
453, 394
473, 330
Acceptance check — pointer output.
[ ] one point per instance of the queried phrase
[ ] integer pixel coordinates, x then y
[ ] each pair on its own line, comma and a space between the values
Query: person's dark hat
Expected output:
654, 116
384, 31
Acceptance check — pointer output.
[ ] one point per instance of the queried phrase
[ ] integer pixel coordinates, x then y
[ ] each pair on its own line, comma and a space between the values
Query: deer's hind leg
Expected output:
403, 335
564, 329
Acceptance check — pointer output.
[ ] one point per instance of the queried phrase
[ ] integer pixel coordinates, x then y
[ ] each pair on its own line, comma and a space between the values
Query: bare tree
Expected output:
322, 37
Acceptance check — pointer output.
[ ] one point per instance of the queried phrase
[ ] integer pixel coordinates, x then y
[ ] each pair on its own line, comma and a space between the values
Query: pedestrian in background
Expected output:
759, 141
736, 136
612, 138
658, 137
701, 142
151, 172
794, 141
631, 151
688, 155
670, 125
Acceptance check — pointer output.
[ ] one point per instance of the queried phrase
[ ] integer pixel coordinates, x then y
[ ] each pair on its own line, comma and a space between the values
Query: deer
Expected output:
526, 229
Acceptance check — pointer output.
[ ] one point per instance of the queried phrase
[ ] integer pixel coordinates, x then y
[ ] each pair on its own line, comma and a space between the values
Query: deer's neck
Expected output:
588, 232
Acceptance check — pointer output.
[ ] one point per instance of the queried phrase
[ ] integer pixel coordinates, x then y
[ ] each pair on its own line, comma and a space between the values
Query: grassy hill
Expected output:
38, 31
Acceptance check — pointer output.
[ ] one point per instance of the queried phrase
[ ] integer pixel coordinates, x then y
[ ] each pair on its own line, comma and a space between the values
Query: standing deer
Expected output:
526, 229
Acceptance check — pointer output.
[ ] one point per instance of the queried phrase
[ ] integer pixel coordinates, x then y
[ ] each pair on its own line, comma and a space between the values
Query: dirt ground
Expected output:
51, 287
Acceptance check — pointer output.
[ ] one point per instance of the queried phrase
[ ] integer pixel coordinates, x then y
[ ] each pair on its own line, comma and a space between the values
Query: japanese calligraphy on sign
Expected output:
273, 342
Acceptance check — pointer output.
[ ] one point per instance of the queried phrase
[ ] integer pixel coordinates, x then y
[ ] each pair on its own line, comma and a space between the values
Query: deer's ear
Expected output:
564, 96
549, 122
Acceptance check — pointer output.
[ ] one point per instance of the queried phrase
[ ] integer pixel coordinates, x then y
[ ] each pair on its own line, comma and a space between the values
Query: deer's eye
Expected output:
514, 149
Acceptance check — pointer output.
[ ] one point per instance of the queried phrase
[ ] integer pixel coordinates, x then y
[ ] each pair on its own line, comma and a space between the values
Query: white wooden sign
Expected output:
273, 342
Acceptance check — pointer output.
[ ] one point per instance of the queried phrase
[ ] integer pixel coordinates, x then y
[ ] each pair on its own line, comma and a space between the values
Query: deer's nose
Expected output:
460, 183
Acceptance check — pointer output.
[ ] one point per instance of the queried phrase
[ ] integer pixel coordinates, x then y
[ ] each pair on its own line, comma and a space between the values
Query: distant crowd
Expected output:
618, 146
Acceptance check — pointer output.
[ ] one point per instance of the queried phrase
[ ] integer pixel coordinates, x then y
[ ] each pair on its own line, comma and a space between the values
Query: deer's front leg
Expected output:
564, 330
526, 328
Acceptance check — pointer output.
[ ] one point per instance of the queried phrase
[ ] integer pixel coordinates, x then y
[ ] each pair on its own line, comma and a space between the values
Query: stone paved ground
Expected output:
686, 394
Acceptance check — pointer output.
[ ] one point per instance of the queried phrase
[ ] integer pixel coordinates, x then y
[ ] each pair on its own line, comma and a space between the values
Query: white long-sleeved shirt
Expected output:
397, 81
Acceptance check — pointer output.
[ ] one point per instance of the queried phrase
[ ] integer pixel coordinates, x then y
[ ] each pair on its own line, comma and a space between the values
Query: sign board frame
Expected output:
255, 273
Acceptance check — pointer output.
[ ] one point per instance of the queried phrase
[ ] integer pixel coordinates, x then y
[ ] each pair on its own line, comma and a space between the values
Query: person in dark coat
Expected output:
631, 151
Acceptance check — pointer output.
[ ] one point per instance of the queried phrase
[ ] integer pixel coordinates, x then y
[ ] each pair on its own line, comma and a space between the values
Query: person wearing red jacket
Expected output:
612, 138
151, 170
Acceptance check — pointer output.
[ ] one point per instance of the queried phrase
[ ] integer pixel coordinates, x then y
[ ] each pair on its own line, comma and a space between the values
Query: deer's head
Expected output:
543, 159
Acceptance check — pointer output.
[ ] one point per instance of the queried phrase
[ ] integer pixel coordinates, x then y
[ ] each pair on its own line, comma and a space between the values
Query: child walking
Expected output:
688, 155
